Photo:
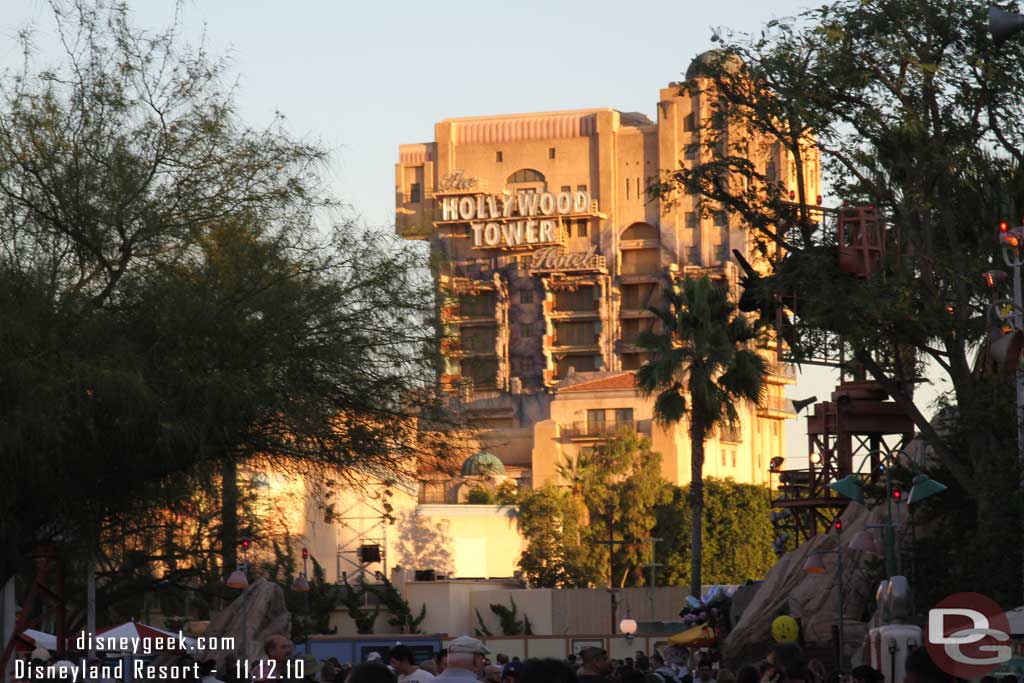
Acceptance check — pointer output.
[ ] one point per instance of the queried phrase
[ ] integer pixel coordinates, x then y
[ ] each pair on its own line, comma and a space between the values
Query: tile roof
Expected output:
619, 381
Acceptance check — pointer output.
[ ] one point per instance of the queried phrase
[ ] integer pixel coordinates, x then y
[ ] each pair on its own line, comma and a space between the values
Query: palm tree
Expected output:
701, 365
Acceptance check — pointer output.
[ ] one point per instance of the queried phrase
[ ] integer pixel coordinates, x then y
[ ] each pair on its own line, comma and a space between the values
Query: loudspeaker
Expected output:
368, 554
803, 403
1003, 24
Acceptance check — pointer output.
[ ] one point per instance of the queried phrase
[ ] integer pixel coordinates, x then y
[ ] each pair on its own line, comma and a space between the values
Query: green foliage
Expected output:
703, 363
736, 528
619, 480
481, 630
919, 114
353, 599
401, 615
311, 611
479, 495
510, 625
178, 300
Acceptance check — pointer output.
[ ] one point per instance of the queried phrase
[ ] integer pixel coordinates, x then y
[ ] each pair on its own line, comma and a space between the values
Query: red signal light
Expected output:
1004, 226
792, 195
838, 524
897, 495
305, 553
246, 543
819, 200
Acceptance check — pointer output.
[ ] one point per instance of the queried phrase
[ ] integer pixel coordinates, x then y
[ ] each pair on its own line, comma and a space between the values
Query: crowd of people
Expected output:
468, 660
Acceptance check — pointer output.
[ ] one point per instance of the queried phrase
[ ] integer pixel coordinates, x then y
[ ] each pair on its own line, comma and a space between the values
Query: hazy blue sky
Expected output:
364, 77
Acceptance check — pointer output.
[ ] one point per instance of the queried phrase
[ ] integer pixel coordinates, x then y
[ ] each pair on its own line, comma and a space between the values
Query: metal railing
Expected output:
585, 430
777, 403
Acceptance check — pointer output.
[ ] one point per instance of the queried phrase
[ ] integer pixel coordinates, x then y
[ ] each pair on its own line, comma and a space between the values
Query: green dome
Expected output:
483, 463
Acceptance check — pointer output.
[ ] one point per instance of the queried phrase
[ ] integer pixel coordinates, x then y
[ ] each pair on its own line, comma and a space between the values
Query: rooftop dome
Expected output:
712, 58
483, 463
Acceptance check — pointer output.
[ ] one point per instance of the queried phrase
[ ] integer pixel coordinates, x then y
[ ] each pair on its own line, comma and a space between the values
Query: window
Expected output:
415, 193
499, 157
582, 299
638, 195
581, 333
566, 188
770, 172
640, 231
720, 219
691, 152
734, 457
722, 451
568, 228
627, 188
641, 261
640, 295
691, 219
525, 175
582, 229
689, 122
526, 296
624, 417
581, 188
595, 421
551, 152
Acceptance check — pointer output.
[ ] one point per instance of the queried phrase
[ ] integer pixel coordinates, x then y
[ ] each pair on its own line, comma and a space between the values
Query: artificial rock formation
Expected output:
812, 598
262, 608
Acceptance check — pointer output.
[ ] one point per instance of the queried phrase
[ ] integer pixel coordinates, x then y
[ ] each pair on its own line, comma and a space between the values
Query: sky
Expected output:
363, 77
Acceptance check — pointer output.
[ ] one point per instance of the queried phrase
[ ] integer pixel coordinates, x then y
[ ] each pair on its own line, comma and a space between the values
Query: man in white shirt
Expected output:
404, 664
466, 660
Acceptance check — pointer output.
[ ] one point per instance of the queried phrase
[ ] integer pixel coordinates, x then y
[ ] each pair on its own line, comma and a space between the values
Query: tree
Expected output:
179, 296
617, 481
916, 113
398, 607
312, 609
735, 524
701, 367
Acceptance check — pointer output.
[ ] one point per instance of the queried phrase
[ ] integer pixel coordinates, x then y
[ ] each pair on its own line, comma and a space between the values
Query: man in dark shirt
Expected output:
596, 665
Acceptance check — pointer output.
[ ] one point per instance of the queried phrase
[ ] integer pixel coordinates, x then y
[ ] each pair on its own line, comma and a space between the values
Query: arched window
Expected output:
525, 175
640, 231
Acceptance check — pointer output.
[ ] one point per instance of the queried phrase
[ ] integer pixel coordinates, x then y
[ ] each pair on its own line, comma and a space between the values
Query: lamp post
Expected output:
240, 579
301, 585
628, 626
851, 486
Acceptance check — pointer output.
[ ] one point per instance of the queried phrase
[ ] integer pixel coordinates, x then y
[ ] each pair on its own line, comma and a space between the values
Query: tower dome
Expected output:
711, 58
481, 464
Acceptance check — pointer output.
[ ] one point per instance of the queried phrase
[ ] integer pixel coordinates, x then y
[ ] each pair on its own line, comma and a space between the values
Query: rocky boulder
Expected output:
812, 598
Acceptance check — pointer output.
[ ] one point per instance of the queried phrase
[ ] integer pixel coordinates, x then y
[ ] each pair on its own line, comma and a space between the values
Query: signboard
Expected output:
511, 219
557, 260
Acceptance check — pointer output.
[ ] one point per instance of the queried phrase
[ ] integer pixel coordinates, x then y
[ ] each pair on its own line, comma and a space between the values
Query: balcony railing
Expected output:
597, 430
778, 404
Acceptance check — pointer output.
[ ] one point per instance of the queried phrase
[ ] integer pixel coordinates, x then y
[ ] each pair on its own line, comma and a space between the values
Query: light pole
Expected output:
851, 486
301, 585
240, 579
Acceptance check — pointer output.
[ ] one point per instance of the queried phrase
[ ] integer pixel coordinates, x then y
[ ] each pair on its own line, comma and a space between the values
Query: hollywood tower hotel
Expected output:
549, 253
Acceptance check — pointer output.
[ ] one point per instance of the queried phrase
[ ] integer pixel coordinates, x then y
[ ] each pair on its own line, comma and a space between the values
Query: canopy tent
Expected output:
47, 641
699, 636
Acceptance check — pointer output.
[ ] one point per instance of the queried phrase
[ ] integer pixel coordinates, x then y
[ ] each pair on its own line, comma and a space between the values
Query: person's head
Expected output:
571, 659
657, 661
748, 674
510, 674
921, 669
278, 648
371, 672
501, 659
492, 673
595, 661
441, 660
788, 660
467, 653
546, 671
866, 674
402, 659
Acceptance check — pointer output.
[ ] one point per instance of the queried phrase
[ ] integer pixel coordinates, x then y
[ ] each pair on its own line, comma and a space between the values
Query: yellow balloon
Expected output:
785, 629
